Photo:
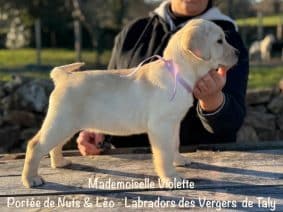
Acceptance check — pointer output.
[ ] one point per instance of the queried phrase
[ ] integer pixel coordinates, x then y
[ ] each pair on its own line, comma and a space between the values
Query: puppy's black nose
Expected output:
237, 52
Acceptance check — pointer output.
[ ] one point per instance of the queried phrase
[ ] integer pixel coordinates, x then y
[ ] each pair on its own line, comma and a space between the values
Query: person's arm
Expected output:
229, 112
115, 53
124, 49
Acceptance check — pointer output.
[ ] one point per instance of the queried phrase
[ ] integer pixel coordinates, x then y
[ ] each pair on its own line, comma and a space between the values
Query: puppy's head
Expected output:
206, 43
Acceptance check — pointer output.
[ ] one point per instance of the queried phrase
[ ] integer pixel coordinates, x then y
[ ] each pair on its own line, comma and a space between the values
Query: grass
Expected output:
7, 76
265, 76
21, 57
22, 61
16, 61
266, 21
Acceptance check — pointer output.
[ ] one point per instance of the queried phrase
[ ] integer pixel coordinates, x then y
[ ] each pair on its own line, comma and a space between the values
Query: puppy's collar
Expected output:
172, 67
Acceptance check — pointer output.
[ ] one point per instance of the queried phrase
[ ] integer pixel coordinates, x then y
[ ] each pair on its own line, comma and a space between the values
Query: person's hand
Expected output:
208, 90
90, 143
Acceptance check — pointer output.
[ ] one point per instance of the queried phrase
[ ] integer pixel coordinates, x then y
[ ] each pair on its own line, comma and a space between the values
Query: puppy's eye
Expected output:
220, 41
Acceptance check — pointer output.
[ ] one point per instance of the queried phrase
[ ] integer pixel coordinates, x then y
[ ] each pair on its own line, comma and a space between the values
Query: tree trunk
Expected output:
78, 39
37, 26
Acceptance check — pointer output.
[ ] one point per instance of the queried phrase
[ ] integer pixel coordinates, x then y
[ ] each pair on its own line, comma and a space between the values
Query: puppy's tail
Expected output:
62, 72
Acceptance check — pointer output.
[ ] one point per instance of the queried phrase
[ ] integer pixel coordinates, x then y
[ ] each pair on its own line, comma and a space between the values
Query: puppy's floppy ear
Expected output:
194, 40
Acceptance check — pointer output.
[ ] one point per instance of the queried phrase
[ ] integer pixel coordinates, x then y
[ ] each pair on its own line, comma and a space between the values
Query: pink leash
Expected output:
172, 67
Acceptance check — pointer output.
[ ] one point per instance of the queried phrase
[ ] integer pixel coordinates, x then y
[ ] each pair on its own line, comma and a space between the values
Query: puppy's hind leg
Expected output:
57, 159
52, 133
30, 177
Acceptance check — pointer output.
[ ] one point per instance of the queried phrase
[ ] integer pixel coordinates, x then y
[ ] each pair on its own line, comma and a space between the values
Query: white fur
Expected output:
105, 102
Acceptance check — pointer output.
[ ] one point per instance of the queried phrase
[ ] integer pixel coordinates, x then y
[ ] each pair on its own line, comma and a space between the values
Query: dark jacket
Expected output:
148, 36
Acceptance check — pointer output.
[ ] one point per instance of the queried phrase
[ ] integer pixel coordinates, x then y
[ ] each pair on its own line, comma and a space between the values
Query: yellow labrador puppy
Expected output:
106, 102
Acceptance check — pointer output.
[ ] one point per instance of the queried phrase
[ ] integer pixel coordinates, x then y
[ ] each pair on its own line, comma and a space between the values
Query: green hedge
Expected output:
16, 61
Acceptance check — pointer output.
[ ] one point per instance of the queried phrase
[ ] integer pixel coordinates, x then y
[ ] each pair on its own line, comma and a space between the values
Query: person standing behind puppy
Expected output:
219, 106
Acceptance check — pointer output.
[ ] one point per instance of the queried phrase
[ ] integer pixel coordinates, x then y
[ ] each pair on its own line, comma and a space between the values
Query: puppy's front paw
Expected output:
181, 160
60, 163
171, 182
34, 181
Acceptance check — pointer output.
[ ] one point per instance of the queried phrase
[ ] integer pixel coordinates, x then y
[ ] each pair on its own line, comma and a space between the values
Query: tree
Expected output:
14, 24
99, 18
269, 7
54, 15
236, 8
